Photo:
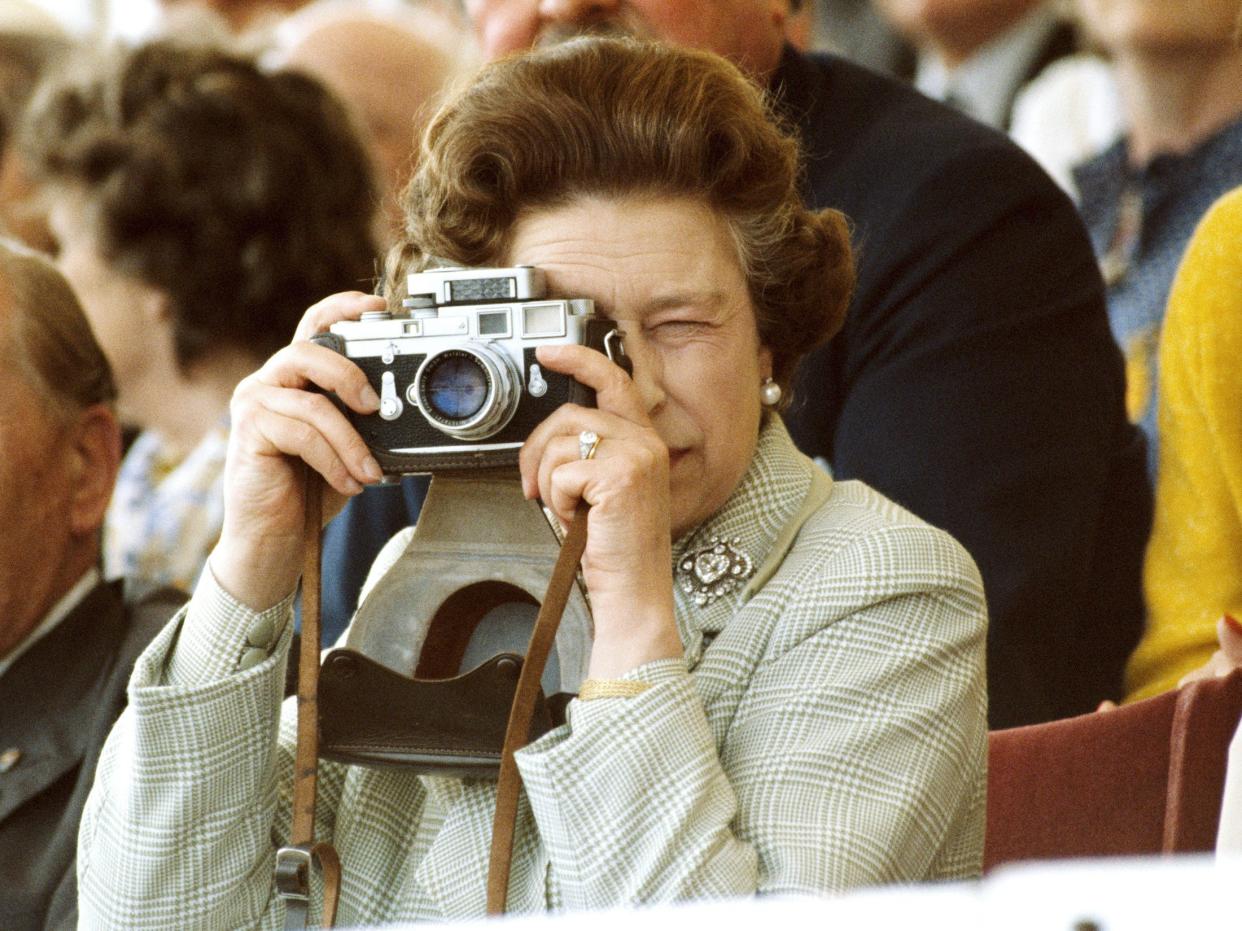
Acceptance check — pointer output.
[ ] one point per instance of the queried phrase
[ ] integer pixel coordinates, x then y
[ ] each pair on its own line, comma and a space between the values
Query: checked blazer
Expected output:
830, 732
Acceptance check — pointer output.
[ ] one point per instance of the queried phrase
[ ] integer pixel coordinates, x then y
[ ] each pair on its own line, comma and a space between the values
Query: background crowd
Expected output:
1036, 356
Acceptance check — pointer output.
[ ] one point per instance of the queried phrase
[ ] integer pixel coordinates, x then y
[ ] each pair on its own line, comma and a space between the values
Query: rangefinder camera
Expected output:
455, 371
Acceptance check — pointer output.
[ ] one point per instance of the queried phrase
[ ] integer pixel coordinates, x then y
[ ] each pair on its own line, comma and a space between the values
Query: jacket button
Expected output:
261, 634
252, 657
9, 758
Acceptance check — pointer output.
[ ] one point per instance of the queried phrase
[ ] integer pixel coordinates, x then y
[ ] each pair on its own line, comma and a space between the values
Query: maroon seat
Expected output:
1144, 779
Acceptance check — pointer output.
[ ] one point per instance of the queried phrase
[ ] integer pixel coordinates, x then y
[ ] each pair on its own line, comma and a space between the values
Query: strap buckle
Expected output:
293, 873
293, 866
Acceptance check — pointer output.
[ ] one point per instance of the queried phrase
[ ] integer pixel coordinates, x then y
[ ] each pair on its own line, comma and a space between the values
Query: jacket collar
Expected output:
769, 495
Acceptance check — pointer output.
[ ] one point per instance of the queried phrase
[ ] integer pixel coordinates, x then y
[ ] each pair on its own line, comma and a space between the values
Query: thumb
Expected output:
1229, 633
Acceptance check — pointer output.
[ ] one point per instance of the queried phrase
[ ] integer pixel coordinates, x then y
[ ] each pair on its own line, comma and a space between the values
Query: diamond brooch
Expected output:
718, 569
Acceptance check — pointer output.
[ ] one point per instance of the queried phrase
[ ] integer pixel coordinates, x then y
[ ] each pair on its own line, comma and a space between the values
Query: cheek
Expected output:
30, 486
727, 419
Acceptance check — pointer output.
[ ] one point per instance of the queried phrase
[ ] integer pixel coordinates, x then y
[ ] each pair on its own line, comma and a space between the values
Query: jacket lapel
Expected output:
50, 698
768, 496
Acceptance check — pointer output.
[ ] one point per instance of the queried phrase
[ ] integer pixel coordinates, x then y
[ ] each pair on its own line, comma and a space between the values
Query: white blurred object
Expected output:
1139, 894
1229, 834
132, 20
1069, 114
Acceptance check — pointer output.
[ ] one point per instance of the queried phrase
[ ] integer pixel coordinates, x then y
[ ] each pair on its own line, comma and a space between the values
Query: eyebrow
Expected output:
686, 298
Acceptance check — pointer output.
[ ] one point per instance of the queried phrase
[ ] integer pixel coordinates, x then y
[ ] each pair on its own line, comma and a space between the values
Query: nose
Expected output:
648, 374
575, 11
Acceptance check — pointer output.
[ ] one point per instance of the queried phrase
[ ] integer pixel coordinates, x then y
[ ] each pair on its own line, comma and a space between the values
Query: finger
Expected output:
1192, 676
1209, 670
347, 305
327, 422
559, 452
1229, 633
614, 390
621, 476
565, 423
567, 485
300, 365
293, 437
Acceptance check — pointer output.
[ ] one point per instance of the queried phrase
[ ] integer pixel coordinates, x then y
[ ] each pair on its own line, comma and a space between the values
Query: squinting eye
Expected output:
675, 328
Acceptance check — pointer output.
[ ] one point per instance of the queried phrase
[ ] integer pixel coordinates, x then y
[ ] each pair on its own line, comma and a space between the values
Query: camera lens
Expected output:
469, 392
456, 386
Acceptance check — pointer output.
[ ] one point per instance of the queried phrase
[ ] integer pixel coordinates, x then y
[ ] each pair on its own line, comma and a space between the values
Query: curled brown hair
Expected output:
48, 334
243, 196
615, 118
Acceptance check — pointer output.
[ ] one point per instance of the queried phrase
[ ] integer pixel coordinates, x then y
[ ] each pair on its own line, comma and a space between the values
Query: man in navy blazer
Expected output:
975, 382
67, 639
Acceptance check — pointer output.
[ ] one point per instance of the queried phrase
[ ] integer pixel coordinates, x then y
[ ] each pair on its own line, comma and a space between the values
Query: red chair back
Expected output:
1146, 778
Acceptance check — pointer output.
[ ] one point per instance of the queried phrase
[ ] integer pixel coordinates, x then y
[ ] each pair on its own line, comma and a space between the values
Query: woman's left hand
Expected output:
627, 564
1226, 659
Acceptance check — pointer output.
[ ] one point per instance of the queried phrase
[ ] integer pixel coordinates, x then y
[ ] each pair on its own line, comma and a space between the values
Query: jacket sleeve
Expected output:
180, 827
854, 752
1191, 575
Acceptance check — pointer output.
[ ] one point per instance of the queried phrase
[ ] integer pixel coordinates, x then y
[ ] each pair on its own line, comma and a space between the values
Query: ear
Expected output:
96, 456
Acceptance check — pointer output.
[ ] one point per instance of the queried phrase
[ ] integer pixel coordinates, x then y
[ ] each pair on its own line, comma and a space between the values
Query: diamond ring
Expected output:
588, 442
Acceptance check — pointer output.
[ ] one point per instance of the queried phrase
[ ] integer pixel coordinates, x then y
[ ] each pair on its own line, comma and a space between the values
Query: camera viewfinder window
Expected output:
494, 323
471, 290
543, 320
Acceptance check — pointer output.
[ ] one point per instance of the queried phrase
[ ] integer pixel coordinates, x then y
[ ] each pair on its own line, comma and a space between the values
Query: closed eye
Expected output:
679, 329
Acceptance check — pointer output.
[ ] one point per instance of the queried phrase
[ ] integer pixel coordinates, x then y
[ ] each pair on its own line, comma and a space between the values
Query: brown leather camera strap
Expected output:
295, 861
509, 784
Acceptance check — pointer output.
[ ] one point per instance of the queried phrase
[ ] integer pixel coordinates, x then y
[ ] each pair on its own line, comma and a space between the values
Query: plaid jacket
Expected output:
829, 732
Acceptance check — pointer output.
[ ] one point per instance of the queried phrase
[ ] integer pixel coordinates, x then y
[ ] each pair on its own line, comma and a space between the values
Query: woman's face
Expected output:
114, 303
1161, 25
666, 270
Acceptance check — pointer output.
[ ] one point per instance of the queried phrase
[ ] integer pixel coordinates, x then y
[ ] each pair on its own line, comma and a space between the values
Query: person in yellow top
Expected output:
1193, 569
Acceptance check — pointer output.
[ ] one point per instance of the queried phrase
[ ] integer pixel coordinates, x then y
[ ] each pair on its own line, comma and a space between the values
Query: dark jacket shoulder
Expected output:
71, 685
976, 381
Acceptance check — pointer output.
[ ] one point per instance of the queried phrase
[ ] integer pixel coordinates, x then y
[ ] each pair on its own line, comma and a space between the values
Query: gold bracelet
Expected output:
592, 689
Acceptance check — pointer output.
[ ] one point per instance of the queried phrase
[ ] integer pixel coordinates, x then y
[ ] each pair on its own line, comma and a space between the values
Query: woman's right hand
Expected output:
278, 423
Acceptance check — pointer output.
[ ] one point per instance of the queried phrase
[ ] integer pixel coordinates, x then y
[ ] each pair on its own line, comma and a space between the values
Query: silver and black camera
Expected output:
456, 372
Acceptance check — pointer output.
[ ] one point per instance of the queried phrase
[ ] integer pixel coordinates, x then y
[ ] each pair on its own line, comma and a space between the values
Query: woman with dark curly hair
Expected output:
199, 206
785, 689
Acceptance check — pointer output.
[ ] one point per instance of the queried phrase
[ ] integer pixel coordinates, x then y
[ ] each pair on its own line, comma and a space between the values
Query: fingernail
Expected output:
369, 398
1234, 623
371, 469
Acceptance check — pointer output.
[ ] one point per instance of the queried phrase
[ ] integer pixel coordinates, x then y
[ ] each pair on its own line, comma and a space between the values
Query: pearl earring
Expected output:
769, 393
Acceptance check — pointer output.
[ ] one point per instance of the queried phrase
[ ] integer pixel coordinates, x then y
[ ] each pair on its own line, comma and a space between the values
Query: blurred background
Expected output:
126, 19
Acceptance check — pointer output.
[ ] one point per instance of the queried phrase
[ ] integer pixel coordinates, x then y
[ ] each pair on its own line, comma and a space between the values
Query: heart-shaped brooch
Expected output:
718, 569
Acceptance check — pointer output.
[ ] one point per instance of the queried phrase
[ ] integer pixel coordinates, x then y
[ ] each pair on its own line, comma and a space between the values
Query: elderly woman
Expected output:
198, 205
827, 732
